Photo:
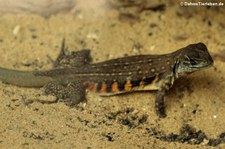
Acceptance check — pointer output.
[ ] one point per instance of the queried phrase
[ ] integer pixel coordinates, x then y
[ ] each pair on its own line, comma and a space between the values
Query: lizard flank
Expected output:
74, 73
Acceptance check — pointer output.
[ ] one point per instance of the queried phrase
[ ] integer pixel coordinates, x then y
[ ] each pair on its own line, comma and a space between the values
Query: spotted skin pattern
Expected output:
73, 73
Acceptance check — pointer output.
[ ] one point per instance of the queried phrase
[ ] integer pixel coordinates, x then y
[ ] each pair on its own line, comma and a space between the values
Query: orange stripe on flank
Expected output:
93, 87
142, 84
128, 86
103, 88
115, 87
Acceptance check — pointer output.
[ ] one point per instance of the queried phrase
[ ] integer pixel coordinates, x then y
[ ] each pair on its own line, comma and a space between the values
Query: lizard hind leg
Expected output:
71, 93
68, 59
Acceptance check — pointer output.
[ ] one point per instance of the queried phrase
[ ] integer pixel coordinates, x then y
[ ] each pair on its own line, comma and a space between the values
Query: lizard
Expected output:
74, 73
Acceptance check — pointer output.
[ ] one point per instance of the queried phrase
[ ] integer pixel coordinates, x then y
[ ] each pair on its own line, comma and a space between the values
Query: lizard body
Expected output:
73, 74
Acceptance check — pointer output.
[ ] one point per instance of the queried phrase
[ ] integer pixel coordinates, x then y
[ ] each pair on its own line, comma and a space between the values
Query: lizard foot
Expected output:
72, 94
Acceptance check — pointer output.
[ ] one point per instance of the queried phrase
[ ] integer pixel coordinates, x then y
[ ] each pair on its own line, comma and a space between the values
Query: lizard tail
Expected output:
23, 78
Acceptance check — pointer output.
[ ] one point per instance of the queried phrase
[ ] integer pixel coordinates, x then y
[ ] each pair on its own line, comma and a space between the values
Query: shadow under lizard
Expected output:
74, 73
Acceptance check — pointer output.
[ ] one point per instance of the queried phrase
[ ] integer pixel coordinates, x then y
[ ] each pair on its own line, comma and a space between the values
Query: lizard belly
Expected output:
149, 87
114, 88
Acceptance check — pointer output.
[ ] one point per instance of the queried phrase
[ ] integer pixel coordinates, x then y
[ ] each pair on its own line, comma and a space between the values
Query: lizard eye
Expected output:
189, 60
192, 61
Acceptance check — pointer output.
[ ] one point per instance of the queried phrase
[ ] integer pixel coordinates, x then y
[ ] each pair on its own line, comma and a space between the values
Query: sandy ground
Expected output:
195, 105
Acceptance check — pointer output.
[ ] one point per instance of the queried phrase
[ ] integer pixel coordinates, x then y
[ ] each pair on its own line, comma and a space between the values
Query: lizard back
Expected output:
120, 75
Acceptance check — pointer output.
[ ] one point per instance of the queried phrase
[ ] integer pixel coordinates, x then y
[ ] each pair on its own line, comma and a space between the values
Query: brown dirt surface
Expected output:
195, 105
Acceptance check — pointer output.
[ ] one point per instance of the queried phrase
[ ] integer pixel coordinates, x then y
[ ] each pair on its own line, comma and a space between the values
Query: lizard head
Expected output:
192, 58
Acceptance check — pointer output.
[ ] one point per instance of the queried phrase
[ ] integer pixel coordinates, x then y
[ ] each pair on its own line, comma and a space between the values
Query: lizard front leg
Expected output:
165, 84
159, 103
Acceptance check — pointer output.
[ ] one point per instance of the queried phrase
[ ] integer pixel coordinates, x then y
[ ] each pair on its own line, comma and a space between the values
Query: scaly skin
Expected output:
74, 73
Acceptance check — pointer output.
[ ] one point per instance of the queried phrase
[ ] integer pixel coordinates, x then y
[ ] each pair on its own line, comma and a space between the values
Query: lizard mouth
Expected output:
202, 66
